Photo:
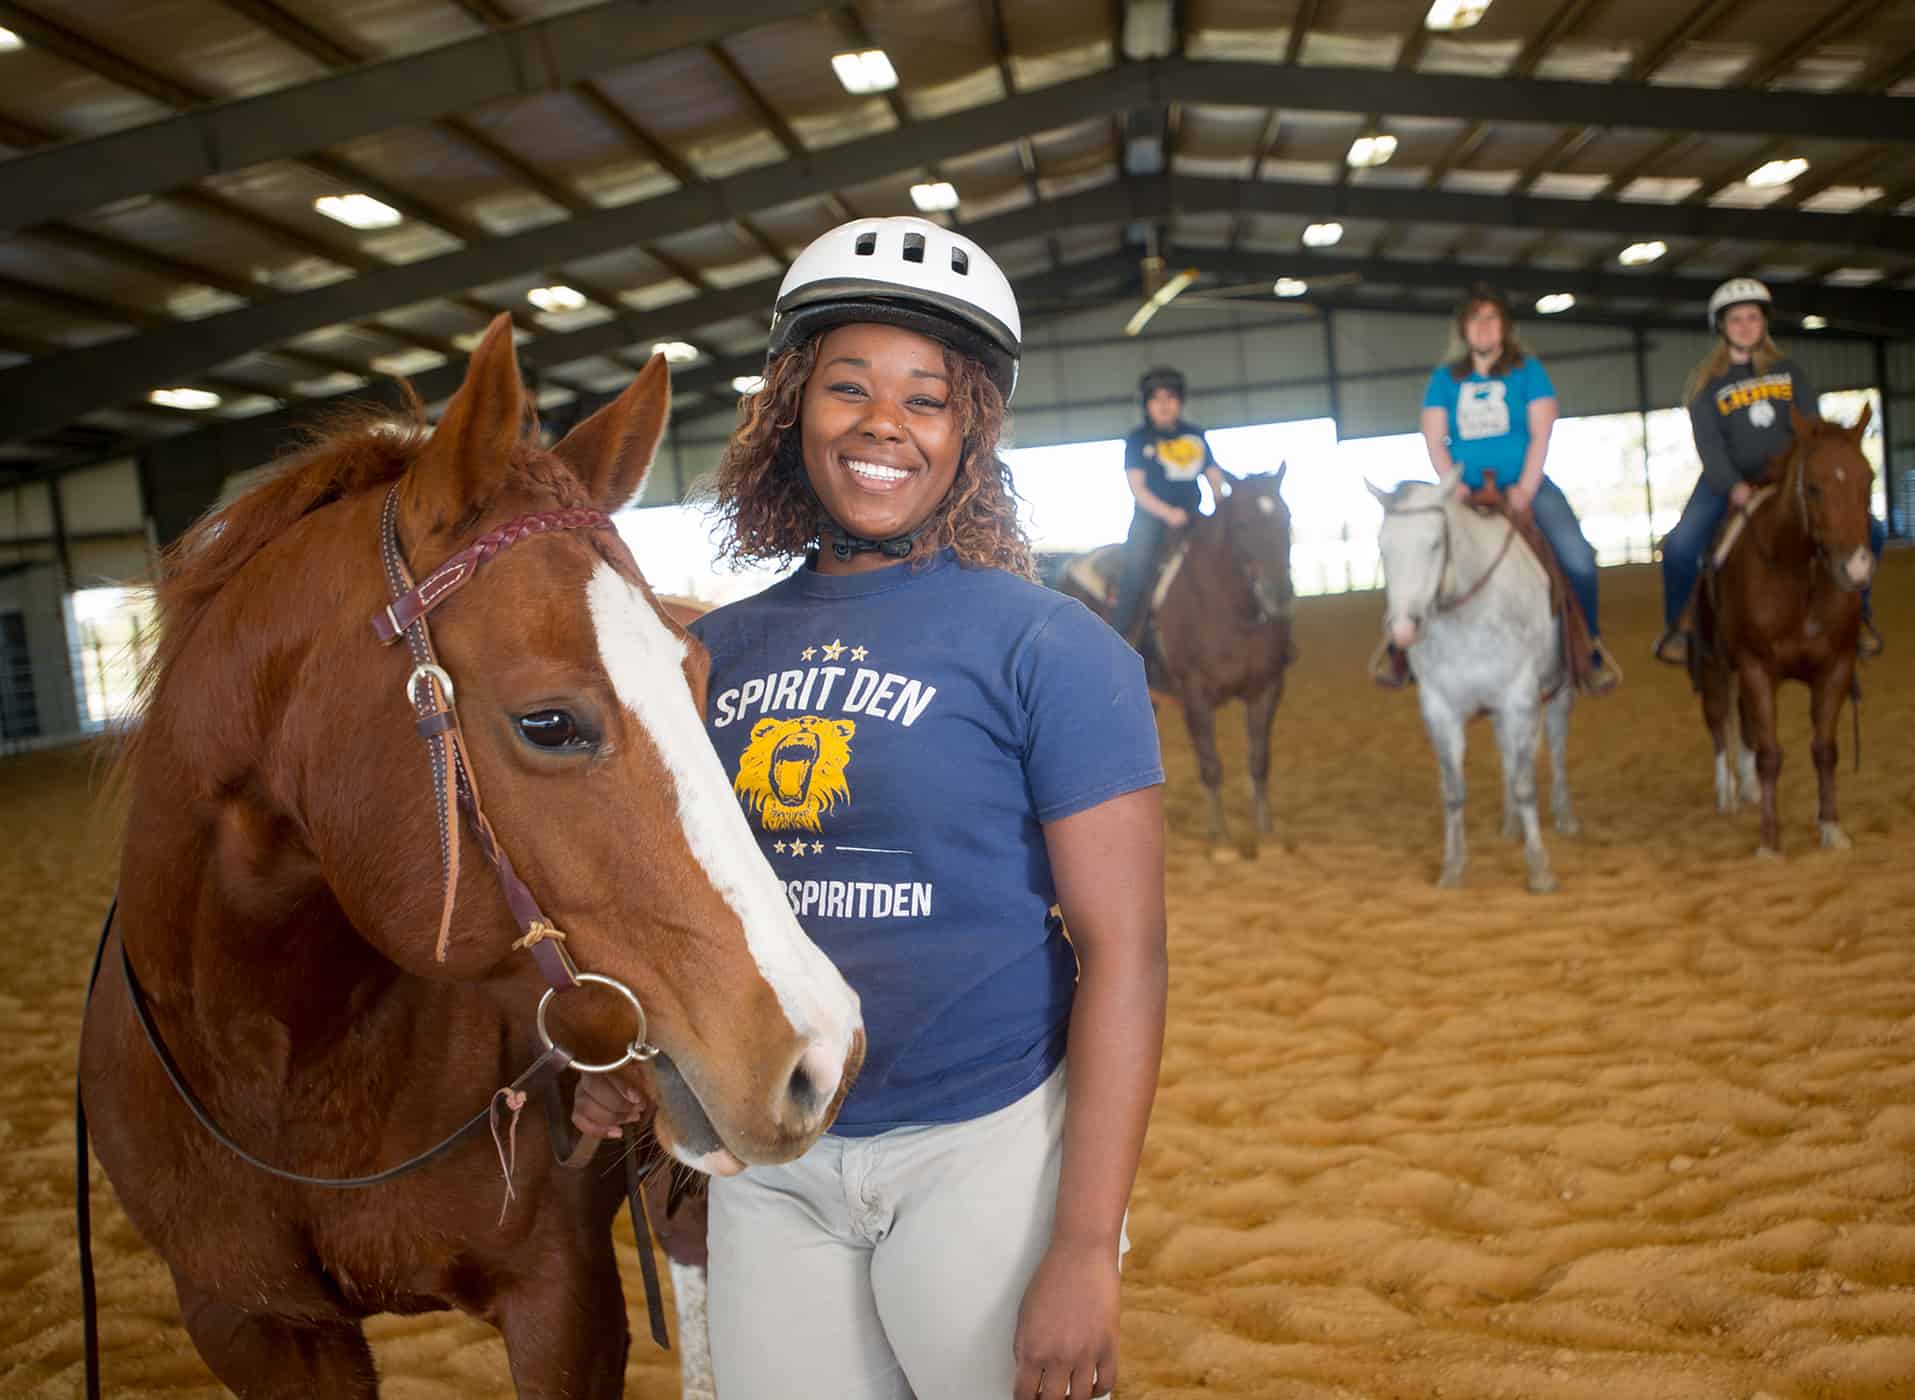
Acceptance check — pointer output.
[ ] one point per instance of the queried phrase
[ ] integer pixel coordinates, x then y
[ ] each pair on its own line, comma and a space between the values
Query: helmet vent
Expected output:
914, 247
866, 245
960, 262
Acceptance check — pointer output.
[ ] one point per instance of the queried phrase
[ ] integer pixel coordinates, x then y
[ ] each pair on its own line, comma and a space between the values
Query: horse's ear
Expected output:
1447, 482
1861, 423
611, 451
1282, 469
466, 457
1379, 492
1800, 423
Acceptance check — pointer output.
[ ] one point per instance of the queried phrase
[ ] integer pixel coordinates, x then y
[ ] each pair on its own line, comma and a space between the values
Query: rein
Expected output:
430, 692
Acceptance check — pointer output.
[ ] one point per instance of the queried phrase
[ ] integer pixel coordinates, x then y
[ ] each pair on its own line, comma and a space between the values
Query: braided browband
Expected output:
389, 624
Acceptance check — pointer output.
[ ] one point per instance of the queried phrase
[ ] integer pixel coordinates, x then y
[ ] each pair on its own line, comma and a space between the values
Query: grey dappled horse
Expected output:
1470, 606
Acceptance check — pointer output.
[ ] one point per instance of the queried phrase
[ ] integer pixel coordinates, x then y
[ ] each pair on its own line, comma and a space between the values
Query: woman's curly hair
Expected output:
766, 507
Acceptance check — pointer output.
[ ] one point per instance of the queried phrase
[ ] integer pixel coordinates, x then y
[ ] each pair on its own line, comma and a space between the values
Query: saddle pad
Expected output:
1086, 573
1167, 577
1733, 524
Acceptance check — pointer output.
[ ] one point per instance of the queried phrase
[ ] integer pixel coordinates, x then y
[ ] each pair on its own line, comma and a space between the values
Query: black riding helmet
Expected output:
1162, 377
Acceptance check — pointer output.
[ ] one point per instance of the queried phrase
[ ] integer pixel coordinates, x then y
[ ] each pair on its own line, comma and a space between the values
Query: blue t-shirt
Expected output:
1489, 417
897, 738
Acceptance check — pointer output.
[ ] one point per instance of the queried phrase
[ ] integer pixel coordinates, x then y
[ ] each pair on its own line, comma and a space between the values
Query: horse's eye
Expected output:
552, 729
1814, 490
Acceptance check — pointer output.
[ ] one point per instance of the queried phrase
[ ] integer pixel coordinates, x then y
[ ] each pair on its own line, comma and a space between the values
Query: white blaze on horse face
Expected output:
1860, 566
645, 661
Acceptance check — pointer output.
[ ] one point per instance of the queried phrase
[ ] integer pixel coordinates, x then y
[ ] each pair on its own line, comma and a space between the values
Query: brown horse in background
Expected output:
1223, 632
327, 956
1786, 605
1219, 630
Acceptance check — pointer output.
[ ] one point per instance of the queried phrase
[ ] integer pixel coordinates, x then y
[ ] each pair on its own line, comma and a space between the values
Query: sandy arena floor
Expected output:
1652, 1137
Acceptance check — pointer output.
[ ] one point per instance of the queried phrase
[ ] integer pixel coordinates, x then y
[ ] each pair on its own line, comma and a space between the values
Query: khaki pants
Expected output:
887, 1267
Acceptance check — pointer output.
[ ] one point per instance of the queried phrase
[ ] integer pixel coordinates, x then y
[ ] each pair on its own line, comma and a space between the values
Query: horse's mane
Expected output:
350, 453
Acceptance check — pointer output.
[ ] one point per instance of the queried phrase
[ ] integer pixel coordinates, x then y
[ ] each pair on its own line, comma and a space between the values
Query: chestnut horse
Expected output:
1786, 605
321, 943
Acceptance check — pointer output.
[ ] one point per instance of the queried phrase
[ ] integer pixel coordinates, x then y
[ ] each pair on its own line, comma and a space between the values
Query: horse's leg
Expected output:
1825, 708
564, 1323
681, 1235
1516, 734
695, 1378
261, 1357
1512, 819
1556, 727
1446, 737
1757, 698
1718, 697
1201, 719
1259, 712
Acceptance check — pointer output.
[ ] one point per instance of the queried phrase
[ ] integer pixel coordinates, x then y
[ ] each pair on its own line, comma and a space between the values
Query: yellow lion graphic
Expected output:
792, 771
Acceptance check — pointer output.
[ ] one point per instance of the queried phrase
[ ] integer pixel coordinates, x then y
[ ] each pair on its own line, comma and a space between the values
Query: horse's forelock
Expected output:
1407, 494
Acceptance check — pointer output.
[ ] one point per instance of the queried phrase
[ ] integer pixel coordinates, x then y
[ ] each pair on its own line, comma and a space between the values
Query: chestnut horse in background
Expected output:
326, 954
1787, 605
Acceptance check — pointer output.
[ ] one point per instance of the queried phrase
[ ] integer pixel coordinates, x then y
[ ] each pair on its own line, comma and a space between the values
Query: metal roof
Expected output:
666, 159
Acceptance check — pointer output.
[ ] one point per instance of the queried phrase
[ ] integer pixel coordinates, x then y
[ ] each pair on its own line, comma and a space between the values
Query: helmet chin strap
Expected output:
845, 545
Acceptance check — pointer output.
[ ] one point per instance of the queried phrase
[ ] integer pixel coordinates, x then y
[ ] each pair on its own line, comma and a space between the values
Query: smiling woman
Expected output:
936, 755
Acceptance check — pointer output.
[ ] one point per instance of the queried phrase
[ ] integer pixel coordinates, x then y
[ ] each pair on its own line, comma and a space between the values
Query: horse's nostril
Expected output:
814, 1080
803, 1091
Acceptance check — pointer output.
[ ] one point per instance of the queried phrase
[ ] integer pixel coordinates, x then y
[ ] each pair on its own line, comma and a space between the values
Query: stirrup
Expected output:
1672, 647
1390, 668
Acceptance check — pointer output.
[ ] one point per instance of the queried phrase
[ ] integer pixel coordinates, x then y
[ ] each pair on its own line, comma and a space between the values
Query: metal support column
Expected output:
1641, 339
1897, 521
1330, 366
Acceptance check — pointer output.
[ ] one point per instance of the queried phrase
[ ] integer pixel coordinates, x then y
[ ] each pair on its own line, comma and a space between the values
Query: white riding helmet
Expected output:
904, 272
1735, 292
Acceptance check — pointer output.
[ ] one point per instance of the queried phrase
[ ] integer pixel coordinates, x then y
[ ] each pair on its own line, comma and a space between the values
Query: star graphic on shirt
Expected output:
797, 848
834, 649
859, 654
778, 846
817, 848
807, 653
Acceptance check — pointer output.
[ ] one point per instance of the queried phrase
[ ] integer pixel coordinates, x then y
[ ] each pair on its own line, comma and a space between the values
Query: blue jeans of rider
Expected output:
1556, 518
1687, 544
1142, 549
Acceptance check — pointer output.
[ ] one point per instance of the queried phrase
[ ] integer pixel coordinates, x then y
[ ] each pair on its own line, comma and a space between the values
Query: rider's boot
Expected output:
1390, 667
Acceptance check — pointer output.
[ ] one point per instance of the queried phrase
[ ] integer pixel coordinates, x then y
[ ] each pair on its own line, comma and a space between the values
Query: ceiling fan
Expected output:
1160, 290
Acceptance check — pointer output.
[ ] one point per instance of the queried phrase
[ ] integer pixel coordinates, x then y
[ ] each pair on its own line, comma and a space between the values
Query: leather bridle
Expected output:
429, 690
1438, 603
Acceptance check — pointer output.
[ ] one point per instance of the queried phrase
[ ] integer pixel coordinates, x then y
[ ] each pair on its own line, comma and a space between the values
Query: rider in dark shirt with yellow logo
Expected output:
1162, 461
